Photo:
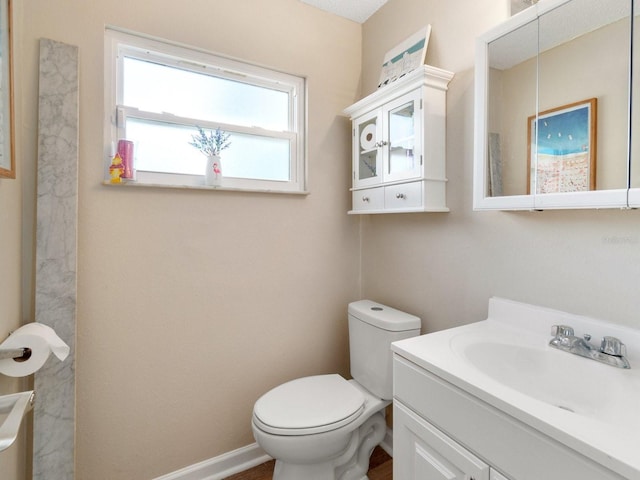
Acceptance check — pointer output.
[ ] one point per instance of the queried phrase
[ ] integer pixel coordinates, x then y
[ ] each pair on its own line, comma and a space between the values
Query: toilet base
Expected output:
352, 464
285, 471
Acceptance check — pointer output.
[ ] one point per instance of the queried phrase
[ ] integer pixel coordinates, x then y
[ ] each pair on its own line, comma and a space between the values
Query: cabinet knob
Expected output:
365, 199
400, 195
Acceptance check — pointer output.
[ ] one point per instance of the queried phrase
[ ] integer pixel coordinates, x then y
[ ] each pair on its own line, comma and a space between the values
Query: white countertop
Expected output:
605, 423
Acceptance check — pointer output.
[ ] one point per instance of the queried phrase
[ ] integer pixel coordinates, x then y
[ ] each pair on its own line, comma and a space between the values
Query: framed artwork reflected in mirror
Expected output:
7, 157
563, 143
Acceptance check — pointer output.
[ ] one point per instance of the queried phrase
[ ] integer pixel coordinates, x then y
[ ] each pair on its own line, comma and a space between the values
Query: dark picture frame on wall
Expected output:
7, 155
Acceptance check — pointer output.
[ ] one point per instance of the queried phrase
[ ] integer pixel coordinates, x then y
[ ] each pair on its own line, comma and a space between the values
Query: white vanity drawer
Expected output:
368, 199
403, 196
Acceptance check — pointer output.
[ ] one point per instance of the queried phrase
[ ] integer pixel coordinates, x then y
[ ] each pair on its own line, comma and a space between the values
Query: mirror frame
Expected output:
7, 160
613, 198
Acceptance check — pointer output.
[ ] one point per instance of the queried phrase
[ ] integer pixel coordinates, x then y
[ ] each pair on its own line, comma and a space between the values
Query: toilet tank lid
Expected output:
384, 317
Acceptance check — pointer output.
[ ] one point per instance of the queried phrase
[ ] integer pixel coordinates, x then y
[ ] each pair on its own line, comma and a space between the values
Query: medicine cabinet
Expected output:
554, 111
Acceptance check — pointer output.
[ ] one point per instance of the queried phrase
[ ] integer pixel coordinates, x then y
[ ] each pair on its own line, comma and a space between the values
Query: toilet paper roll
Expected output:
41, 339
368, 137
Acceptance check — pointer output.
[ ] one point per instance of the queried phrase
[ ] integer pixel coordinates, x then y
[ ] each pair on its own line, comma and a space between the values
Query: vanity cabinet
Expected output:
442, 432
398, 153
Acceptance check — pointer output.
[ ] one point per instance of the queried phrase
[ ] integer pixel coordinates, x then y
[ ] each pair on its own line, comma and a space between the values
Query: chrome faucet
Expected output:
612, 351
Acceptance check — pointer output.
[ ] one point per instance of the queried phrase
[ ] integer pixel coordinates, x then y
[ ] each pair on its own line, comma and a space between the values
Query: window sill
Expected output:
138, 184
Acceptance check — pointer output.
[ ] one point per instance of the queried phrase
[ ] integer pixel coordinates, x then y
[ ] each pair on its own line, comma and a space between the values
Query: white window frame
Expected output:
119, 42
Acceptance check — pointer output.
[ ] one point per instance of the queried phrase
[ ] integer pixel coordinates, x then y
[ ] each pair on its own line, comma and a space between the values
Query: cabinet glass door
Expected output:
367, 144
403, 153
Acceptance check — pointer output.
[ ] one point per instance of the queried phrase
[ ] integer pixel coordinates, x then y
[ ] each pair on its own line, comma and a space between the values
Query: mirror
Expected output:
634, 176
552, 107
512, 90
7, 161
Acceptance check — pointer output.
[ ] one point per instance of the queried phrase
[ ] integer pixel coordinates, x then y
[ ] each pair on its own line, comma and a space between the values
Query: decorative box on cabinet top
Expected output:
399, 137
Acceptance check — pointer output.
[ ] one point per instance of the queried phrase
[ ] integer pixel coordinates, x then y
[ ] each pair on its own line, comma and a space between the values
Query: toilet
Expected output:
325, 427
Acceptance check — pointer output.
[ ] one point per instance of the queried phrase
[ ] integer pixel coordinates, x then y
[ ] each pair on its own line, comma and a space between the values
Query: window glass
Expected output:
160, 93
160, 88
164, 147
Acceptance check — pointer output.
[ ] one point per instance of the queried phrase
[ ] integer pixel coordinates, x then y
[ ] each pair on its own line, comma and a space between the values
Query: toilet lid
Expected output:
309, 405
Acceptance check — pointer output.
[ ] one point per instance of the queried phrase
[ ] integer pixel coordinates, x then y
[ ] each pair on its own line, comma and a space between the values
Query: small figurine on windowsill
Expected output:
116, 169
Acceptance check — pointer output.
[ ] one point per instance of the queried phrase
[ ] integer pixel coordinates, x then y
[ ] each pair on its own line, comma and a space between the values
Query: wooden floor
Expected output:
380, 468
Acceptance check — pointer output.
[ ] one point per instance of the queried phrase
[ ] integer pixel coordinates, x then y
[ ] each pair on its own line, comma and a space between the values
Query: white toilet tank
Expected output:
372, 329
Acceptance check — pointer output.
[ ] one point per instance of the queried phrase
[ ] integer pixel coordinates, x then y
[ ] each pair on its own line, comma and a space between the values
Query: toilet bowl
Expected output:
313, 442
325, 427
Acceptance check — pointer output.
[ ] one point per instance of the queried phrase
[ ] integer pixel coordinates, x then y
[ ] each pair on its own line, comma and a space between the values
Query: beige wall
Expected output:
13, 461
193, 303
444, 267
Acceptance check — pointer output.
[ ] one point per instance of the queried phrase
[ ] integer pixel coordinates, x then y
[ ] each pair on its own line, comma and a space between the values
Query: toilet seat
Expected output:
308, 405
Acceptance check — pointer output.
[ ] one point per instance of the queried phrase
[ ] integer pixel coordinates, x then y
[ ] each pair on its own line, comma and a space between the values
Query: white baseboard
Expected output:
222, 466
238, 461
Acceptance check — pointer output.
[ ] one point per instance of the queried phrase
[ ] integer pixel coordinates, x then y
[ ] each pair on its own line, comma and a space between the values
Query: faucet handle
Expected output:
613, 346
562, 331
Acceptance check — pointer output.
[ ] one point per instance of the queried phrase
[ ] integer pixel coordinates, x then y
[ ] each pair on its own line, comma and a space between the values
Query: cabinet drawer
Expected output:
403, 196
368, 199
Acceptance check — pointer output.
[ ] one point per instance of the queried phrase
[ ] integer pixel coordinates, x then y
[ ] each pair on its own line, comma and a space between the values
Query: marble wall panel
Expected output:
56, 241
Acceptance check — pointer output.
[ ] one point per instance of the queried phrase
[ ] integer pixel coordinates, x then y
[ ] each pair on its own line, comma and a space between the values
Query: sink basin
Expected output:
567, 381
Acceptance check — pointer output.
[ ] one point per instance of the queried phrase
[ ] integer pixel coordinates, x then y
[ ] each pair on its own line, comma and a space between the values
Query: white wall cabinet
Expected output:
399, 135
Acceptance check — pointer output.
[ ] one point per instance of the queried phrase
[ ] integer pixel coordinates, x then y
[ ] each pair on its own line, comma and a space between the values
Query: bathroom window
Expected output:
158, 93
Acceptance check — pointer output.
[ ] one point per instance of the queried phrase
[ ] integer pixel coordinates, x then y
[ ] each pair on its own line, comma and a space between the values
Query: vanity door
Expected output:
421, 451
495, 475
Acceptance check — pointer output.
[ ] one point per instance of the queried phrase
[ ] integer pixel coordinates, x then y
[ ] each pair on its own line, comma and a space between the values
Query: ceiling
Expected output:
356, 10
360, 10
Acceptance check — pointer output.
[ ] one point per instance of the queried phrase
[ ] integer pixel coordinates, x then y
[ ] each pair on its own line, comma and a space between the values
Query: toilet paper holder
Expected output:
18, 354
15, 406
